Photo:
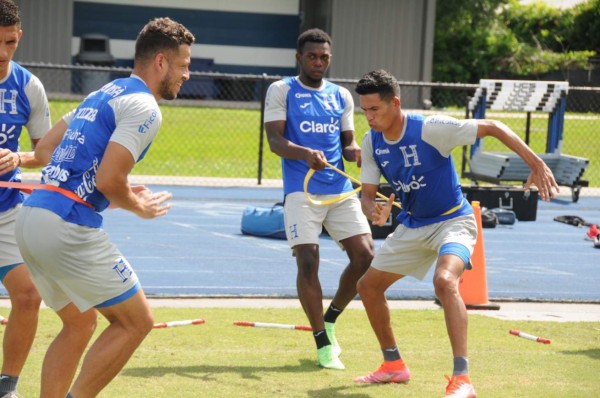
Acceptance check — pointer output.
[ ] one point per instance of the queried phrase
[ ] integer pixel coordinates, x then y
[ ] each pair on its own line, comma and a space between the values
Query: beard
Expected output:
166, 90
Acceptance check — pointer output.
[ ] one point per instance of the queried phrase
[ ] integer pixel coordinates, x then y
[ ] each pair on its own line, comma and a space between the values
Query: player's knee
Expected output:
445, 283
27, 299
364, 287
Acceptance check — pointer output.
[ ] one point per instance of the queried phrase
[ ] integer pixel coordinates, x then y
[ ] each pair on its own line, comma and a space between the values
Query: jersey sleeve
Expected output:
369, 172
138, 119
446, 133
39, 119
276, 102
348, 115
68, 117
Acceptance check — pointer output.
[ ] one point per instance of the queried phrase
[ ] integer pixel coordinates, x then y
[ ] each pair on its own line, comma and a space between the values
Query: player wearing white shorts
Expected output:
23, 103
309, 121
436, 224
79, 272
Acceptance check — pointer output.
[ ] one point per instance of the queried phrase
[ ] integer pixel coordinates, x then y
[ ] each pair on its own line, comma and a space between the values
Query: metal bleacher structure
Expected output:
523, 96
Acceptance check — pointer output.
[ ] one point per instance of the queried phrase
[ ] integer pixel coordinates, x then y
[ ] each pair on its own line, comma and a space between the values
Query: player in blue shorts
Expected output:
437, 225
310, 121
23, 103
76, 268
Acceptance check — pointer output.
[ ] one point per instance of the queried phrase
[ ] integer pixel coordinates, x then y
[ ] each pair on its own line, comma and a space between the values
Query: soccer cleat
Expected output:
11, 394
460, 387
389, 372
326, 358
330, 330
592, 233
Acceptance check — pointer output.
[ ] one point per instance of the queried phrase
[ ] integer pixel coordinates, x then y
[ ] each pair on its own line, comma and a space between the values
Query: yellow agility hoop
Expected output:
326, 201
344, 195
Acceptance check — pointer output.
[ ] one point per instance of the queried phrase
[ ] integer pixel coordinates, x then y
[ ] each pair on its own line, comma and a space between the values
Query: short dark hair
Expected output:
159, 35
378, 82
313, 36
9, 13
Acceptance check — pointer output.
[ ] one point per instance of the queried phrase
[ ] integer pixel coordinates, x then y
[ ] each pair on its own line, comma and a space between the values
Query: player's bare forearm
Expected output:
111, 180
48, 143
541, 175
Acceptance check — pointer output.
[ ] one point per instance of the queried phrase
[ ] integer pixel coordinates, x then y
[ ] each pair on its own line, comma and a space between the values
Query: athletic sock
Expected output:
8, 383
391, 354
331, 314
321, 338
461, 366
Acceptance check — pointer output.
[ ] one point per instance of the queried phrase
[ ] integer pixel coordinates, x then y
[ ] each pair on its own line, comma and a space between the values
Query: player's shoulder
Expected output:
282, 85
441, 120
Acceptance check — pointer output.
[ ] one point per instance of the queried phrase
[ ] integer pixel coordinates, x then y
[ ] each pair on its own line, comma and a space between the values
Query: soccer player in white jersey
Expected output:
23, 103
436, 224
309, 121
77, 269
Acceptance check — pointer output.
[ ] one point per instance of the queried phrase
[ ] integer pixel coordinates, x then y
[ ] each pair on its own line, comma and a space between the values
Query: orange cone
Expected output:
473, 284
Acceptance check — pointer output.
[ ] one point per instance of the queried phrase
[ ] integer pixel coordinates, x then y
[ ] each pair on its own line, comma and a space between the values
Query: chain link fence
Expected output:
212, 134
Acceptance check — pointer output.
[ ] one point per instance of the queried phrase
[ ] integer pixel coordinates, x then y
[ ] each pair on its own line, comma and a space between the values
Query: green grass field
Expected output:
218, 359
218, 142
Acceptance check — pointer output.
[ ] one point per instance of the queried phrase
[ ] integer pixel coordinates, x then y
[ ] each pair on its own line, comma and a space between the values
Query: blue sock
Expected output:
391, 354
8, 383
461, 366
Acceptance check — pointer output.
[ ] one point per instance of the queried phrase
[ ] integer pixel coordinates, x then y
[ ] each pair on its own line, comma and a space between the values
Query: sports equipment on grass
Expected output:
3, 320
272, 325
389, 372
460, 387
342, 196
327, 359
528, 336
171, 324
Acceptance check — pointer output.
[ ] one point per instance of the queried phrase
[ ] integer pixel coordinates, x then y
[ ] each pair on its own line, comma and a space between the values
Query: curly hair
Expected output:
378, 82
9, 13
159, 35
313, 36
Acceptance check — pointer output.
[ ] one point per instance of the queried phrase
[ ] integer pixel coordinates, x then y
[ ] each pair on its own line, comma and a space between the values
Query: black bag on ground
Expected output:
489, 219
266, 222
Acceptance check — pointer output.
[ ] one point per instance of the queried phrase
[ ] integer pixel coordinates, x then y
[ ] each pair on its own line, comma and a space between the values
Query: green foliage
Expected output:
462, 52
585, 34
485, 38
538, 24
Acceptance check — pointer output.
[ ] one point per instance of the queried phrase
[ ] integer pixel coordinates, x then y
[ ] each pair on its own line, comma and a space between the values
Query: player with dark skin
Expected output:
314, 57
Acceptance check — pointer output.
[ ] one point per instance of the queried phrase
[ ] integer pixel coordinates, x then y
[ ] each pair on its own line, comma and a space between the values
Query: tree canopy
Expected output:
480, 38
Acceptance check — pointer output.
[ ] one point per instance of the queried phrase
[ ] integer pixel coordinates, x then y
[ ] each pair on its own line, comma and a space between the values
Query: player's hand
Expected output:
543, 179
153, 203
381, 211
134, 188
9, 160
316, 159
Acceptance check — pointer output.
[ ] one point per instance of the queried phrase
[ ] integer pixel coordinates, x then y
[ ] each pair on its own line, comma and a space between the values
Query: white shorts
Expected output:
304, 221
70, 262
9, 251
412, 251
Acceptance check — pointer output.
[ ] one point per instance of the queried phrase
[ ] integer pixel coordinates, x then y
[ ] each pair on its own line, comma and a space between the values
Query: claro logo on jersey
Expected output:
413, 185
6, 133
309, 126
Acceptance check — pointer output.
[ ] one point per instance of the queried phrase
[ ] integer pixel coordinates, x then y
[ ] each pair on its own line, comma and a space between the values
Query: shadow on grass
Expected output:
335, 392
592, 353
204, 372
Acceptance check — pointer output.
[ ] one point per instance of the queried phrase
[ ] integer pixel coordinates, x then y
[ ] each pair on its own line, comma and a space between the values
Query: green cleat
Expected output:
330, 330
326, 359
